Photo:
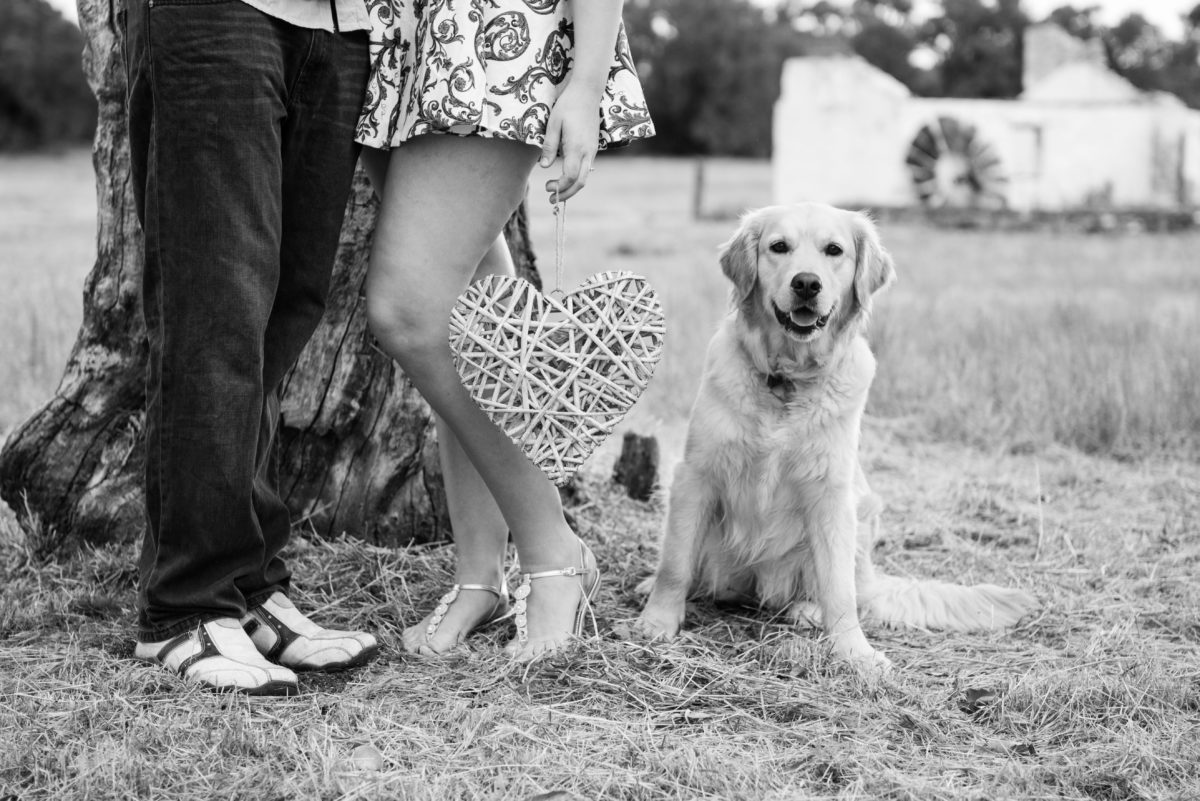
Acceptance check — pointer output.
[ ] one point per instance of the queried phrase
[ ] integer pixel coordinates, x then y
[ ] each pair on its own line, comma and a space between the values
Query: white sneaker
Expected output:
284, 635
220, 655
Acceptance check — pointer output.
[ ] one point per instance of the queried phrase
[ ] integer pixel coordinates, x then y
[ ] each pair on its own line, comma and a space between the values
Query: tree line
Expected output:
711, 68
44, 98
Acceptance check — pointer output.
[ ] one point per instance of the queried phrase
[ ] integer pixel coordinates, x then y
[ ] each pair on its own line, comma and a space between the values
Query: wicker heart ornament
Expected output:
557, 372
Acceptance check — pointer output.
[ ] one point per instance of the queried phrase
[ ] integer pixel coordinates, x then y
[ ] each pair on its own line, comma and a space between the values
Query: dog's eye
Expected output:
778, 246
833, 249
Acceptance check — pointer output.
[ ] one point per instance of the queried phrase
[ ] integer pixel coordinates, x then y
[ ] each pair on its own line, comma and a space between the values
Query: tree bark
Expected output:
357, 450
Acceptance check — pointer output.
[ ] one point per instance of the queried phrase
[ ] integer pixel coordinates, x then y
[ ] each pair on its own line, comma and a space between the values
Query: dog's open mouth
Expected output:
802, 322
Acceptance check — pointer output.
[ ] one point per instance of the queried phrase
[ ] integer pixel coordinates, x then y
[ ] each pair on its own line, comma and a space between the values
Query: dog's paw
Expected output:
651, 626
853, 649
872, 664
805, 614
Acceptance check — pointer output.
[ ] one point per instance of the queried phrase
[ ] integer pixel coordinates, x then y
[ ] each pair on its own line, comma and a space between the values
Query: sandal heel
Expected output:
590, 586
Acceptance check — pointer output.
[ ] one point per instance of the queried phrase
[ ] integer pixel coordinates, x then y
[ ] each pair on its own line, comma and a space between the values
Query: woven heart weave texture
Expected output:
557, 373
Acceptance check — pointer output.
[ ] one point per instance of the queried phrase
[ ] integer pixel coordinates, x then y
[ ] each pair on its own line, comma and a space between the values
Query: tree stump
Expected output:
357, 448
637, 467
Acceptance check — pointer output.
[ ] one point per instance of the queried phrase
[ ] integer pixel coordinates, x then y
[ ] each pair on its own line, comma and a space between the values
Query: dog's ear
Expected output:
873, 266
739, 257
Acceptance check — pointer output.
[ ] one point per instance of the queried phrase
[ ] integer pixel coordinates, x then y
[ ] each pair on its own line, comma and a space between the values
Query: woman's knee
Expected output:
403, 329
391, 322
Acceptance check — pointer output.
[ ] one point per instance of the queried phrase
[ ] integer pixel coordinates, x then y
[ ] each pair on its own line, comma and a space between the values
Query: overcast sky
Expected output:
1164, 13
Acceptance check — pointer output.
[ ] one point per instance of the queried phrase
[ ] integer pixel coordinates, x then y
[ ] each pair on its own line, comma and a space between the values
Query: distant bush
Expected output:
711, 71
44, 97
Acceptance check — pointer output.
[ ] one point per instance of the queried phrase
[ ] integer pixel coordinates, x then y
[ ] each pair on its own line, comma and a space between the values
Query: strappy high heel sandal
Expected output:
499, 610
589, 584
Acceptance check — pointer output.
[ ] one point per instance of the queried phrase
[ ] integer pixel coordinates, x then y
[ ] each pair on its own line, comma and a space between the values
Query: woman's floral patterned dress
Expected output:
486, 68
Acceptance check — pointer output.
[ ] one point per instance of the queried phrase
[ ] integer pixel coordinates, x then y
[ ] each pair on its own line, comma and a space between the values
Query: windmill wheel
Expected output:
951, 165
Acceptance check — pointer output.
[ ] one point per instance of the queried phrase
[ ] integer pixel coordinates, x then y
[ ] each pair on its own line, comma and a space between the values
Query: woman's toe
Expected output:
413, 639
536, 650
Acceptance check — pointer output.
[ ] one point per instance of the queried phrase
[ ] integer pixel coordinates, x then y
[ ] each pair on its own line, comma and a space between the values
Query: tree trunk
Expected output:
357, 447
636, 468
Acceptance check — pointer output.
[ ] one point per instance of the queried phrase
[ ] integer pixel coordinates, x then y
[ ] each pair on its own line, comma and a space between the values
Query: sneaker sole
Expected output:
271, 688
365, 656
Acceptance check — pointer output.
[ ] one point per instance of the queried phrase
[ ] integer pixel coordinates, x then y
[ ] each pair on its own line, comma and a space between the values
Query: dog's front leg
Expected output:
689, 513
832, 528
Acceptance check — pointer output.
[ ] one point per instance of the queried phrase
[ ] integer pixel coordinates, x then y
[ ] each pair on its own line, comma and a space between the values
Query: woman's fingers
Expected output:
551, 142
574, 173
576, 166
573, 130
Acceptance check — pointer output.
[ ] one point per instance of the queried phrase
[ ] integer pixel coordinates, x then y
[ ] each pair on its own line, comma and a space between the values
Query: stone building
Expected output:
1079, 137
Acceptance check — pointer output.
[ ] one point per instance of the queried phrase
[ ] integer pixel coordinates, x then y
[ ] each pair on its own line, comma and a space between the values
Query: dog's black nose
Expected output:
806, 285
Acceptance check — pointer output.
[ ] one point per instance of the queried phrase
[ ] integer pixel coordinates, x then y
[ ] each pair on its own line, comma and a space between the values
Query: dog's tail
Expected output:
938, 605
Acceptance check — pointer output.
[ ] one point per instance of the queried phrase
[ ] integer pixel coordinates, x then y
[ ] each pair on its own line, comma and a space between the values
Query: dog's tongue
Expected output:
804, 317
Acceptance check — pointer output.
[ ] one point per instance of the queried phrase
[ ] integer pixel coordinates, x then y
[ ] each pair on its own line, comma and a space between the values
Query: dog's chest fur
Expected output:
774, 454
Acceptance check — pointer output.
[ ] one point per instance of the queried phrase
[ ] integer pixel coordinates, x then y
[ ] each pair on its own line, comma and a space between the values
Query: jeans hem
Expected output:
146, 634
258, 599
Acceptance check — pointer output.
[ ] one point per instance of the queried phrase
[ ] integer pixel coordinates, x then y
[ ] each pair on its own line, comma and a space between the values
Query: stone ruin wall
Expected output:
1080, 138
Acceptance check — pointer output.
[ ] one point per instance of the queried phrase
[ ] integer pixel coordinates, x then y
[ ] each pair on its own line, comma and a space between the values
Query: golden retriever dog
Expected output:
769, 501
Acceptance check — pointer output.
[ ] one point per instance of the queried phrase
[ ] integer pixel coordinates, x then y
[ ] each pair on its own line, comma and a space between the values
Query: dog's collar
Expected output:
779, 385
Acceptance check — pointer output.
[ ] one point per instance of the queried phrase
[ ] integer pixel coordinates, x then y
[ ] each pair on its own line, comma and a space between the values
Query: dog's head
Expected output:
805, 271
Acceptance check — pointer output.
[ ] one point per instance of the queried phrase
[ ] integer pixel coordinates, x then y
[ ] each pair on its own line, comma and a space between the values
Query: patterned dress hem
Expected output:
487, 133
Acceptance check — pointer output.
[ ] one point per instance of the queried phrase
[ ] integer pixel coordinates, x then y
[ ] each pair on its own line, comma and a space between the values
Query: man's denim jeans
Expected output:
242, 136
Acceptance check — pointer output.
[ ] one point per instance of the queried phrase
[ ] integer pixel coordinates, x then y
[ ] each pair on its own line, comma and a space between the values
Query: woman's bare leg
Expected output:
480, 533
445, 201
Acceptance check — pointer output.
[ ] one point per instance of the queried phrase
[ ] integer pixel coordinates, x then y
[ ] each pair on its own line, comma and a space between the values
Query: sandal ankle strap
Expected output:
443, 605
499, 593
566, 571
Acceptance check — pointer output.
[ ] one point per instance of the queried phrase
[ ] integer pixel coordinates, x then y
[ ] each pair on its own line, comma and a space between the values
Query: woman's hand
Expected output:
573, 128
574, 124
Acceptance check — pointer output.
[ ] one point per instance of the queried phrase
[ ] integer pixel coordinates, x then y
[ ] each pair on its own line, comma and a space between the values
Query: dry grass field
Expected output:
1035, 422
47, 246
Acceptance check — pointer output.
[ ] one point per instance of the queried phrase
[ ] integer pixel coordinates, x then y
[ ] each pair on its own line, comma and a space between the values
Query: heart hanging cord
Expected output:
560, 248
557, 371
560, 243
